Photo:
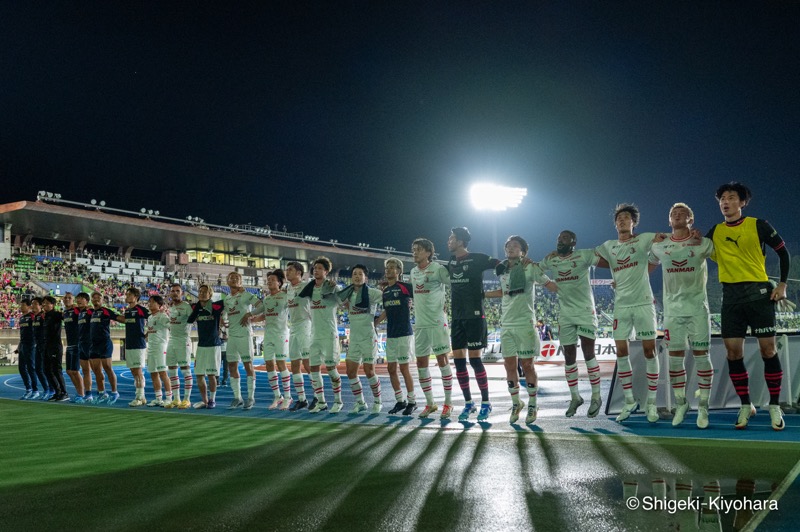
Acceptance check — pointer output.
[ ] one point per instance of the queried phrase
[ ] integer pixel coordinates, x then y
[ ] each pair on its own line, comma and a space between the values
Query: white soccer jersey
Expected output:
157, 333
429, 294
236, 307
628, 261
299, 311
571, 274
179, 328
517, 310
362, 321
685, 274
276, 315
323, 314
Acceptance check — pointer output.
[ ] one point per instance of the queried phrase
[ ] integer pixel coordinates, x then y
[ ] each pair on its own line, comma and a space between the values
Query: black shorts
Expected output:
468, 334
759, 315
73, 359
84, 350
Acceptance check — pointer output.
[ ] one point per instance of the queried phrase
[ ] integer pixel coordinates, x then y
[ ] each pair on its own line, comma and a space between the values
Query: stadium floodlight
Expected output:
142, 210
157, 213
102, 203
57, 196
93, 202
41, 193
491, 197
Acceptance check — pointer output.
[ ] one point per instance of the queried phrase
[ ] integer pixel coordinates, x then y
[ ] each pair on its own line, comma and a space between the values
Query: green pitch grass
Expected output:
66, 468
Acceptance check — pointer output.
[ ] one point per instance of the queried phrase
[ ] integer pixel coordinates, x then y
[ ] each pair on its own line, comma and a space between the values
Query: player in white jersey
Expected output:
634, 308
362, 304
686, 316
577, 318
179, 348
238, 307
276, 340
324, 348
299, 331
157, 333
431, 335
518, 339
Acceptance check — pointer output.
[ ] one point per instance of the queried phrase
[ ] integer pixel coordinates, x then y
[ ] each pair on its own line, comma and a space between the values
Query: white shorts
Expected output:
179, 353
363, 352
324, 351
400, 350
156, 360
135, 358
299, 341
696, 329
240, 348
431, 340
208, 360
641, 319
569, 328
276, 348
522, 342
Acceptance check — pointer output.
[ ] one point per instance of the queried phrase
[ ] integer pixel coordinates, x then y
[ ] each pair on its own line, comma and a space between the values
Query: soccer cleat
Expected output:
483, 413
652, 412
199, 404
211, 404
359, 407
185, 404
314, 402
745, 413
286, 403
102, 398
680, 413
35, 395
156, 402
410, 407
377, 406
398, 407
172, 404
336, 407
64, 397
702, 416
276, 403
447, 410
46, 396
515, 412
776, 415
53, 397
113, 398
249, 403
26, 395
627, 410
319, 407
137, 402
89, 399
594, 406
574, 404
299, 405
236, 403
533, 412
469, 408
79, 400
428, 410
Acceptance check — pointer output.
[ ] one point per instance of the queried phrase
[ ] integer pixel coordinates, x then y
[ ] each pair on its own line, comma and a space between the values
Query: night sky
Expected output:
367, 121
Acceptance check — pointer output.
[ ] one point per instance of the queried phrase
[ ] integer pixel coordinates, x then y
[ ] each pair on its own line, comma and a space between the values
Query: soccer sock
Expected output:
532, 392
398, 395
629, 487
480, 376
683, 489
593, 369
175, 383
463, 378
286, 382
299, 386
705, 374
425, 384
652, 378
272, 377
773, 374
411, 398
447, 383
169, 396
513, 389
251, 387
677, 377
740, 379
188, 382
375, 384
659, 488
139, 392
212, 396
625, 376
355, 387
571, 373
316, 383
336, 384
235, 386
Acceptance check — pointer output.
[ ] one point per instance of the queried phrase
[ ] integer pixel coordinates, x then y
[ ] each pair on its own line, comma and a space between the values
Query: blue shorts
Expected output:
102, 350
73, 360
84, 350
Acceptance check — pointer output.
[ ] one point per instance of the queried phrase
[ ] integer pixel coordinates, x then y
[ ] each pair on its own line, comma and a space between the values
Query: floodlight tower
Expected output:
495, 199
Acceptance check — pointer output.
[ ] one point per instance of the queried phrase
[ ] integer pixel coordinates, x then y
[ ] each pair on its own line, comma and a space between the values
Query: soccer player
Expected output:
276, 340
70, 319
748, 299
26, 351
468, 332
325, 300
38, 343
686, 315
208, 316
135, 319
53, 349
158, 327
100, 318
362, 303
518, 338
84, 343
238, 306
397, 300
179, 348
431, 335
577, 318
634, 308
299, 331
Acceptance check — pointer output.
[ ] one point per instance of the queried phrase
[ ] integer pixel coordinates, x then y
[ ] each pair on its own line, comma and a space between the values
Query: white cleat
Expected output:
516, 410
533, 412
627, 410
359, 407
745, 413
276, 403
319, 407
286, 403
702, 416
680, 413
137, 402
776, 416
574, 404
377, 406
337, 407
652, 412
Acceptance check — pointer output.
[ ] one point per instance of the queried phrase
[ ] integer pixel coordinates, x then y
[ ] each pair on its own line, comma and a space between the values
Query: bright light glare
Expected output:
489, 197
